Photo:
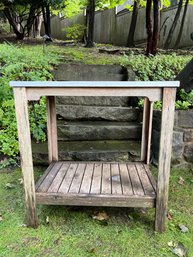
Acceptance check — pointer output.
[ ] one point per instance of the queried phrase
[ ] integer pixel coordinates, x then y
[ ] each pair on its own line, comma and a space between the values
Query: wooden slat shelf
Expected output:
97, 184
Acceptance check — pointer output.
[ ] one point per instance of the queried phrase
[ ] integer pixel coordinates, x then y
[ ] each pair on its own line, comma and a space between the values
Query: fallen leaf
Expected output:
170, 216
9, 186
183, 228
179, 250
181, 181
20, 181
101, 216
47, 220
171, 244
1, 218
23, 225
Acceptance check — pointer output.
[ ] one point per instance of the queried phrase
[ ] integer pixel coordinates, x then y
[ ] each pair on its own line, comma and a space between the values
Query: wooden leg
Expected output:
26, 154
167, 122
52, 129
146, 131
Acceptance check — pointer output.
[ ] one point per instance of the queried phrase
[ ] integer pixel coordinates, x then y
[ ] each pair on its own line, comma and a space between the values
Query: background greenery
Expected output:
23, 62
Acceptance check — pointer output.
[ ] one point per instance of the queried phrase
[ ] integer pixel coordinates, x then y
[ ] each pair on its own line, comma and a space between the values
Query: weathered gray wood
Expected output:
49, 177
151, 178
135, 180
87, 179
116, 179
55, 185
95, 200
146, 183
146, 130
66, 183
125, 180
26, 154
39, 182
154, 94
52, 129
106, 179
77, 180
167, 122
149, 133
96, 180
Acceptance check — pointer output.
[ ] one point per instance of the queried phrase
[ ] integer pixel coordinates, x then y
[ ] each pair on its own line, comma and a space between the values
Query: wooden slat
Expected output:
39, 182
52, 129
135, 180
49, 177
125, 179
167, 122
23, 127
116, 179
59, 178
149, 133
92, 200
106, 179
146, 131
146, 183
151, 178
96, 180
87, 179
66, 183
77, 180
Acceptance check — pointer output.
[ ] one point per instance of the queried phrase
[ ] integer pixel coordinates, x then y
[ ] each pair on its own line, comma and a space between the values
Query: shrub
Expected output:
75, 32
21, 63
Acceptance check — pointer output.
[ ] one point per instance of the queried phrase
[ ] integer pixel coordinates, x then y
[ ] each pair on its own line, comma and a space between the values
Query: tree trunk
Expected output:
182, 24
46, 17
130, 41
156, 26
12, 21
176, 18
90, 28
37, 26
149, 27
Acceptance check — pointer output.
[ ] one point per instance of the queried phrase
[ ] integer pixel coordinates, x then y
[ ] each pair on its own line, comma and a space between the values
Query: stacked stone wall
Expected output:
182, 145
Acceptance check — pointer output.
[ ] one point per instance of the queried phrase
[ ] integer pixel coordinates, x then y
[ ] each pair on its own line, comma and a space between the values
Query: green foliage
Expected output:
159, 67
75, 32
185, 100
21, 63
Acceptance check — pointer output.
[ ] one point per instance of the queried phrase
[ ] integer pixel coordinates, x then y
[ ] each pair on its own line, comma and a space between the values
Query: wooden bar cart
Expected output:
120, 184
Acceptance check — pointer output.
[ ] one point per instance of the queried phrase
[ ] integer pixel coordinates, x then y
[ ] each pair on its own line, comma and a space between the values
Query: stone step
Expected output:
98, 130
72, 112
94, 101
110, 150
81, 72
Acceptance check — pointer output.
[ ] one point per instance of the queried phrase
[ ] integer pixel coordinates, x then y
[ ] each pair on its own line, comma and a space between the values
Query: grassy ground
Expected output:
74, 232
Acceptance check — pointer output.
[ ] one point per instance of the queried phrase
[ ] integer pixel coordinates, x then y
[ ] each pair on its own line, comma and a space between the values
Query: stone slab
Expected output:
188, 152
93, 101
188, 135
98, 130
72, 112
112, 150
185, 118
84, 72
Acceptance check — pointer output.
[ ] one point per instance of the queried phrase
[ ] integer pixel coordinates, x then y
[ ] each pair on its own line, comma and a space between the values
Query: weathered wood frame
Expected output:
152, 91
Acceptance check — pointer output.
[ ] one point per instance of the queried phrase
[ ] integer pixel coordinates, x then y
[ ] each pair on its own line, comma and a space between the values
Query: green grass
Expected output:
73, 231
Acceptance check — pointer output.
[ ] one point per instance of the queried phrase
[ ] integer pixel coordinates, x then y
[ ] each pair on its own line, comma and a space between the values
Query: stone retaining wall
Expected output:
182, 146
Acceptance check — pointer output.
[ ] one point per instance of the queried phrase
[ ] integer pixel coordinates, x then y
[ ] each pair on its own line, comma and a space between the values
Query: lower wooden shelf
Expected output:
97, 184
